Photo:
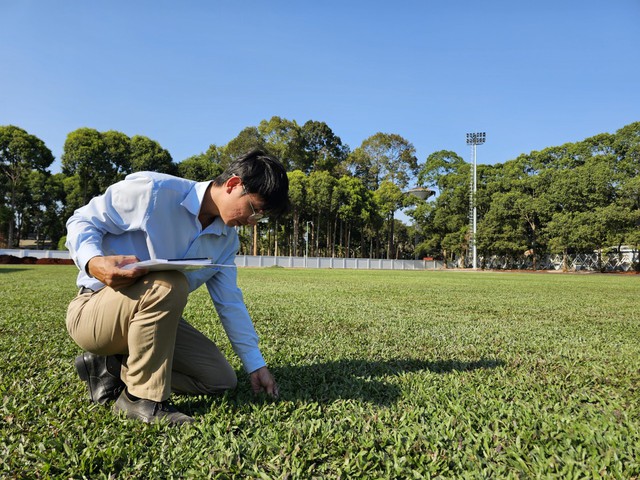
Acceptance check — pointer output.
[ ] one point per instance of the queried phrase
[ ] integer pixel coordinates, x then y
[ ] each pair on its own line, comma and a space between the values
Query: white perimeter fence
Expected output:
25, 252
624, 262
327, 262
611, 262
271, 261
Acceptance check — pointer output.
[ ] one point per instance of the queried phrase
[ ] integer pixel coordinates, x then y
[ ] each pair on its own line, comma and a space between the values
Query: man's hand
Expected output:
263, 381
109, 270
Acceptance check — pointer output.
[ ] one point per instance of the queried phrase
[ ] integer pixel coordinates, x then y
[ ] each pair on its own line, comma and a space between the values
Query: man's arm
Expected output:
238, 326
122, 207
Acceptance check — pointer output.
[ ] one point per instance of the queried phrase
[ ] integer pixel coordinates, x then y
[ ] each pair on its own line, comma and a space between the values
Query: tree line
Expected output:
576, 197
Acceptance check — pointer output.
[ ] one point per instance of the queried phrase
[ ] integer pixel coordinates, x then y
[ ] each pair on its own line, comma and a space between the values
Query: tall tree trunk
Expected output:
276, 241
329, 238
390, 240
268, 241
317, 232
12, 217
255, 240
333, 237
296, 231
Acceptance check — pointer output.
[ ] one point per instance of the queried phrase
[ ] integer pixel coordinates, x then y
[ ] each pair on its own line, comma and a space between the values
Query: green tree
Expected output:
447, 230
384, 157
514, 204
85, 156
74, 197
502, 231
148, 155
403, 247
248, 139
298, 184
202, 167
561, 234
42, 209
20, 154
442, 170
319, 193
285, 140
54, 226
389, 199
626, 146
324, 149
421, 211
118, 151
350, 198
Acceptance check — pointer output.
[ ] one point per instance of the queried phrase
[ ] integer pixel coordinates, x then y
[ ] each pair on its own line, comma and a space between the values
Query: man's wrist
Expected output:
86, 267
253, 361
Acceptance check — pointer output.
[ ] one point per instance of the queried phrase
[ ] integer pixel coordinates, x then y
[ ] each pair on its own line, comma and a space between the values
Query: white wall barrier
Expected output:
611, 262
341, 263
271, 261
25, 252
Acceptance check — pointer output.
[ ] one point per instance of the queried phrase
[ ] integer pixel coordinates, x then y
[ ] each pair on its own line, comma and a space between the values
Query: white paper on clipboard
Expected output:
177, 264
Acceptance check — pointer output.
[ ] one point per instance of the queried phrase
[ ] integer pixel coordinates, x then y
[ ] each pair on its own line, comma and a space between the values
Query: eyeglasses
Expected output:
254, 217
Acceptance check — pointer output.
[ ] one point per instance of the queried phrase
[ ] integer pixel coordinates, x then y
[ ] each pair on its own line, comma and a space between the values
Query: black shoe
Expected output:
102, 375
149, 411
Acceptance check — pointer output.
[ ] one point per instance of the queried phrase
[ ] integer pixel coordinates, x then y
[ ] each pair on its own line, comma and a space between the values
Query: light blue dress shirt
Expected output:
152, 215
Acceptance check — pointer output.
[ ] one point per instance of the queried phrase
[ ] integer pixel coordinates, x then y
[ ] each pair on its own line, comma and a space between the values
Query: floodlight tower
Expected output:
474, 139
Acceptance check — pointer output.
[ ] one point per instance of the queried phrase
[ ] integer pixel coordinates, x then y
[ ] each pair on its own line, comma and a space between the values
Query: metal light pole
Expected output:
474, 139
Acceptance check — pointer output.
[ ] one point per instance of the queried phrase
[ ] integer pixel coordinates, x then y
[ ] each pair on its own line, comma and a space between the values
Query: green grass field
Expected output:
382, 375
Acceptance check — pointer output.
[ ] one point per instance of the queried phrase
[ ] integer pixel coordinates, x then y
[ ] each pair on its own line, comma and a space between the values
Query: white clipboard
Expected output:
176, 264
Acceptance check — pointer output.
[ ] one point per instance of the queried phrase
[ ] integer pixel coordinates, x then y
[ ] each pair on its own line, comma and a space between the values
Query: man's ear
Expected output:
232, 183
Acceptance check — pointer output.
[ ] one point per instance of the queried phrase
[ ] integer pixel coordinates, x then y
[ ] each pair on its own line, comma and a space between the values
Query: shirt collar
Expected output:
193, 203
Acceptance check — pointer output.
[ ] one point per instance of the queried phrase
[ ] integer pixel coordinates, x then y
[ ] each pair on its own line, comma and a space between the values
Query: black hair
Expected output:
264, 175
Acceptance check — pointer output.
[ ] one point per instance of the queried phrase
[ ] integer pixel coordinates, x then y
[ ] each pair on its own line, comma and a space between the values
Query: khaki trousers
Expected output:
143, 321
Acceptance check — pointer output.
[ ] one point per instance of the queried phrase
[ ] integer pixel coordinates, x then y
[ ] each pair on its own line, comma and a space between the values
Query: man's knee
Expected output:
220, 381
167, 287
231, 380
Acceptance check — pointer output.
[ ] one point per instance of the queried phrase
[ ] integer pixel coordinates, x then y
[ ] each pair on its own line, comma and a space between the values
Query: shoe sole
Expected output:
156, 420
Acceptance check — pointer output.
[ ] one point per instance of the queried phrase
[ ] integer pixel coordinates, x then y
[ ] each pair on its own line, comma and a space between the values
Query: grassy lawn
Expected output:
382, 375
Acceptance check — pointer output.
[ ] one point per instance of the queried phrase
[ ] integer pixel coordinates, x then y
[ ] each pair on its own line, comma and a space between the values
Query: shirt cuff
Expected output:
252, 361
85, 255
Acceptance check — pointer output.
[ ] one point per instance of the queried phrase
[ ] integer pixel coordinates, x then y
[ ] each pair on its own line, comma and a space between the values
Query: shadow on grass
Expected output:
11, 269
360, 379
363, 380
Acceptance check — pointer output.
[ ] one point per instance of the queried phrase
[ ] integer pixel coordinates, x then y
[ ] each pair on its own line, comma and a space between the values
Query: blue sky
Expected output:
192, 73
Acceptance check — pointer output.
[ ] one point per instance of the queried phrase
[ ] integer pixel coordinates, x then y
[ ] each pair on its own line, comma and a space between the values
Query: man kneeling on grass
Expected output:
139, 349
